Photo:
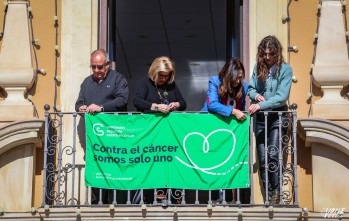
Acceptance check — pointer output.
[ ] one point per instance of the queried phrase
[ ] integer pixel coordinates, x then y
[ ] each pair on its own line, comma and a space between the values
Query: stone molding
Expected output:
16, 71
217, 213
20, 133
316, 130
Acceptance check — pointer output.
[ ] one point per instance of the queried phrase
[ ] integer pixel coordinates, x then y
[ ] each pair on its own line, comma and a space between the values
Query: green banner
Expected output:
178, 150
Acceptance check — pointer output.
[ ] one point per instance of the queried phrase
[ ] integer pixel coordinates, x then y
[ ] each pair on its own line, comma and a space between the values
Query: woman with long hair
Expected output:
226, 96
269, 90
227, 91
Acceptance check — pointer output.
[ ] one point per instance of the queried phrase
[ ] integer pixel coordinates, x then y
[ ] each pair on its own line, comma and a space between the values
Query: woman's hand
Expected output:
253, 108
163, 108
160, 108
174, 106
239, 114
260, 98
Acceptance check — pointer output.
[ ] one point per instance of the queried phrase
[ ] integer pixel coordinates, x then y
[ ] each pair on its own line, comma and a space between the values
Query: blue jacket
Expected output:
213, 100
275, 90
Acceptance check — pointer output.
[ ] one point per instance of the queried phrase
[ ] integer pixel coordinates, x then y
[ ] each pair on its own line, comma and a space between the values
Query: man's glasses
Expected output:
99, 67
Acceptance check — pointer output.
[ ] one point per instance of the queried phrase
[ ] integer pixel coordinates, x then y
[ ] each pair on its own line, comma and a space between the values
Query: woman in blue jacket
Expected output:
269, 90
227, 91
226, 95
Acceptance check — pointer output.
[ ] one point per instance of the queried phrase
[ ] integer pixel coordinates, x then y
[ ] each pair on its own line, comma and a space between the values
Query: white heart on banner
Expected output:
206, 149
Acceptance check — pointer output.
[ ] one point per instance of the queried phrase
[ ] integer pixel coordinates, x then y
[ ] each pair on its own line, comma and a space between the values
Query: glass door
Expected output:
198, 35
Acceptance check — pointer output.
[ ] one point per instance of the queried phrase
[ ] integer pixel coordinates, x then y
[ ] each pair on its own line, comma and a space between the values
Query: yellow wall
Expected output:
44, 30
43, 26
1, 30
303, 25
302, 28
303, 22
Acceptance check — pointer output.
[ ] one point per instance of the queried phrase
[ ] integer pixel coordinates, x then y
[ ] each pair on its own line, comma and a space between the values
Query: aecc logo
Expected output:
98, 129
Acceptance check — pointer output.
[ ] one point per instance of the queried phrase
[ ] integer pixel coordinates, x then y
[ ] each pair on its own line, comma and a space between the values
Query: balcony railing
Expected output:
63, 180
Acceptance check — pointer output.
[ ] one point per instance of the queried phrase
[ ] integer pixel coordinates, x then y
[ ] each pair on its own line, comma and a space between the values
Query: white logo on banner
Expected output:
97, 129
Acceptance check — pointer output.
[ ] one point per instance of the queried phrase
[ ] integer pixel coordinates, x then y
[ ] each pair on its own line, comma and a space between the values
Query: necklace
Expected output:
163, 99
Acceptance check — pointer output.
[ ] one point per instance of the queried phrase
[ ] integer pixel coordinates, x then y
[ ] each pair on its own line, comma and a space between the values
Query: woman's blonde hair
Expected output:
164, 64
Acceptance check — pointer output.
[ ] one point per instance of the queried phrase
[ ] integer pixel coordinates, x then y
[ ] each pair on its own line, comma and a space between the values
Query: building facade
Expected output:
45, 50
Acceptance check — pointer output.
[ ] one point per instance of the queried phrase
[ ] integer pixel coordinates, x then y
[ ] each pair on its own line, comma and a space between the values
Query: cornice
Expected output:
316, 130
21, 133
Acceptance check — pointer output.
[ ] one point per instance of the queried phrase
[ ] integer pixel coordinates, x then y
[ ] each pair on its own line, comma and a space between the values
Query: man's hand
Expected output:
82, 108
93, 108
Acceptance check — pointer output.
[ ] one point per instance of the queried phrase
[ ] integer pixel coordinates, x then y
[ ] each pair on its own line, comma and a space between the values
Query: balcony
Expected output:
65, 195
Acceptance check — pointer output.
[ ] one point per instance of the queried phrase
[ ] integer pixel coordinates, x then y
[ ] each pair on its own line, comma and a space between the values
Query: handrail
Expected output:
67, 173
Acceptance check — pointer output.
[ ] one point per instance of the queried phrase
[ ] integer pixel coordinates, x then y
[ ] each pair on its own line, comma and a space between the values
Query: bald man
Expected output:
105, 90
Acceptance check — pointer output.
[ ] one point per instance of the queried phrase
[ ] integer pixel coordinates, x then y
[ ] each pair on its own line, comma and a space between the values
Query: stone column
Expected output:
329, 143
265, 18
79, 39
260, 27
18, 143
16, 72
331, 68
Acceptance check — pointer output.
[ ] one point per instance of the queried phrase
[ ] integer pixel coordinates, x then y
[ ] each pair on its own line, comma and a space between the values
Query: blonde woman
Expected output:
159, 93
